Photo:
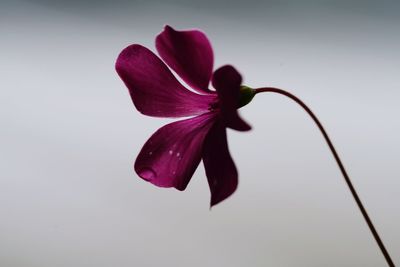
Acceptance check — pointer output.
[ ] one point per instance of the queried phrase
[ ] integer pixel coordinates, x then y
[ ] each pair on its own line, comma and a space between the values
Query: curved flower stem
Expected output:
339, 162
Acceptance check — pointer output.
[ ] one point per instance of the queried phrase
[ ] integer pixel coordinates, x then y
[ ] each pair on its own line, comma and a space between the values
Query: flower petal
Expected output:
172, 154
189, 54
226, 80
154, 89
220, 169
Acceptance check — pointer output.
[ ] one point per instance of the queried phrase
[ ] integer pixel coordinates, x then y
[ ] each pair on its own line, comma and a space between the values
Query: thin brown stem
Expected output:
340, 164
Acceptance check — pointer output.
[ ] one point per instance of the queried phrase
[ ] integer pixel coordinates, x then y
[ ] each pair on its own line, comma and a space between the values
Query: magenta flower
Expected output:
171, 155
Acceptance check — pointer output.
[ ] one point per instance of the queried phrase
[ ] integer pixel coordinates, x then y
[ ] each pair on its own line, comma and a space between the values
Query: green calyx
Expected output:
246, 95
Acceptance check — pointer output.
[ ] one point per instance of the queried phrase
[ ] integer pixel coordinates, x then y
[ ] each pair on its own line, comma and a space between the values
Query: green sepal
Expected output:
246, 95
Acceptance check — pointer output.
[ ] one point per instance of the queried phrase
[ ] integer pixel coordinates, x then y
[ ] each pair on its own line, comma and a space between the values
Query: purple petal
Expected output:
220, 169
172, 154
227, 81
154, 89
189, 54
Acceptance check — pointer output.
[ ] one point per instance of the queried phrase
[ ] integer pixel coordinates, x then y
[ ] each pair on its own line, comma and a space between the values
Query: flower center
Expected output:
214, 106
246, 94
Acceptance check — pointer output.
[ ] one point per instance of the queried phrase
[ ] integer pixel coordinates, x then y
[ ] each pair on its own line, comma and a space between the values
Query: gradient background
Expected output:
69, 134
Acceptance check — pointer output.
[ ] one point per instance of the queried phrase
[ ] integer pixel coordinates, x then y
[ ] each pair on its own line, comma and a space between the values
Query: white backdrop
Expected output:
69, 135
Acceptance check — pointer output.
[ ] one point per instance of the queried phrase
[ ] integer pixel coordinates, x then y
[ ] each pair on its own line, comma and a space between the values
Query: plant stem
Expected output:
340, 164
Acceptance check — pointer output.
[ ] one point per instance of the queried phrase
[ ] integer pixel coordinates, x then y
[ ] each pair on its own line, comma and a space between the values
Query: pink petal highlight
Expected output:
220, 169
226, 80
171, 155
189, 54
154, 89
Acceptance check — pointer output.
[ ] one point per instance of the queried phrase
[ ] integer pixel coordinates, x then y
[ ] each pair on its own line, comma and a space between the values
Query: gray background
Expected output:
69, 134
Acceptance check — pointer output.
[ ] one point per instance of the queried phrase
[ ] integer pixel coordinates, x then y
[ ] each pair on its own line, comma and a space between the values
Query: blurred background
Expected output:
69, 134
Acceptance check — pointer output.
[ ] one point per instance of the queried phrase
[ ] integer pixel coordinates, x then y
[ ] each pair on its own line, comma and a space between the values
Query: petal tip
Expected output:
180, 187
218, 198
235, 122
168, 28
244, 127
147, 174
125, 54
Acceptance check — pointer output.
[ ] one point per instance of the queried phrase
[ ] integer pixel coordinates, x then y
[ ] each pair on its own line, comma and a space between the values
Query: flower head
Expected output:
171, 155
